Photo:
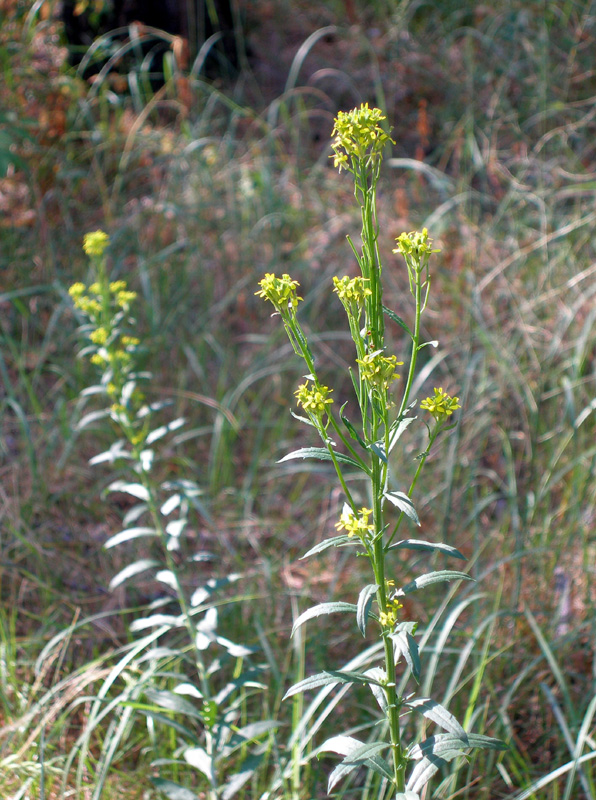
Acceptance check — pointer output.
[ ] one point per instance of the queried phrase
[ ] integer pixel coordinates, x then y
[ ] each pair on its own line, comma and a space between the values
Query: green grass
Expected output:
199, 206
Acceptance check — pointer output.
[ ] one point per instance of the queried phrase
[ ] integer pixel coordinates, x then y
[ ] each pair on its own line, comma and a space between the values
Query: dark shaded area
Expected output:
194, 22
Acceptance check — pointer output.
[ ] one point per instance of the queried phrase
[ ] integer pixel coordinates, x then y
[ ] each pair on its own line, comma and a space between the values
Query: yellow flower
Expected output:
359, 135
378, 370
355, 525
99, 336
441, 405
279, 291
76, 290
352, 290
94, 244
415, 243
314, 400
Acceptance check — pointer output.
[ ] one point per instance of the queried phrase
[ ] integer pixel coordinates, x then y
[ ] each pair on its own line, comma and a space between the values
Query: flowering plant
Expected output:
385, 414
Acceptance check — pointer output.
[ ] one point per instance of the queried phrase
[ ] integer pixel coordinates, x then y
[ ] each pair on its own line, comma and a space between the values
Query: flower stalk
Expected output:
358, 143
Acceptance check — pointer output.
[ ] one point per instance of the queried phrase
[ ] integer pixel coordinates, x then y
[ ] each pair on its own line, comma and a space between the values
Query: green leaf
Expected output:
433, 577
322, 608
423, 772
405, 645
379, 450
173, 702
403, 502
134, 489
407, 796
419, 544
393, 316
328, 678
397, 429
324, 455
129, 533
450, 745
131, 570
334, 541
351, 429
364, 756
365, 599
172, 790
438, 714
199, 759
158, 433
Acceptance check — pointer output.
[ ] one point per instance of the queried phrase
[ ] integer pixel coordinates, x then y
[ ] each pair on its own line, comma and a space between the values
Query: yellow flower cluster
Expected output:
279, 291
314, 400
415, 244
352, 290
441, 405
388, 618
355, 525
378, 370
359, 135
95, 243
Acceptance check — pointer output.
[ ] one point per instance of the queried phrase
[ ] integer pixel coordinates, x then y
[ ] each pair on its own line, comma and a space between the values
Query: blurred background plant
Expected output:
205, 182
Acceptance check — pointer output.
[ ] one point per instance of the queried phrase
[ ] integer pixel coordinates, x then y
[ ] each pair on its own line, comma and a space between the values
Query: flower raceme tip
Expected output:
358, 136
441, 405
279, 291
314, 399
95, 243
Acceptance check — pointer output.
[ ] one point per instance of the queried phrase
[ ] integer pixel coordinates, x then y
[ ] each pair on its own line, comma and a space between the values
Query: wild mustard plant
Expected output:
386, 410
210, 693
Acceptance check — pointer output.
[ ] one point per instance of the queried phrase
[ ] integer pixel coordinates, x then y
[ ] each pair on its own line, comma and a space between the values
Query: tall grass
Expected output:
200, 203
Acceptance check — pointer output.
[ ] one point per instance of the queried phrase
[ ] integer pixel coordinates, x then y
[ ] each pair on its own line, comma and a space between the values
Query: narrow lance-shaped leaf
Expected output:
323, 454
131, 570
405, 645
322, 608
334, 541
403, 502
423, 772
419, 544
327, 678
438, 714
127, 535
433, 577
365, 599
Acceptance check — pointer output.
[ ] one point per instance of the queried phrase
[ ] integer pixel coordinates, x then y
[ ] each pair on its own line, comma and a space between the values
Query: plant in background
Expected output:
365, 447
164, 672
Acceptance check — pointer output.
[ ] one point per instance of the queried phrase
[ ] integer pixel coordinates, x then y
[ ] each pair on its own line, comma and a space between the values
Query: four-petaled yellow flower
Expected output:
352, 290
358, 135
355, 525
95, 243
441, 405
314, 399
279, 291
378, 370
415, 243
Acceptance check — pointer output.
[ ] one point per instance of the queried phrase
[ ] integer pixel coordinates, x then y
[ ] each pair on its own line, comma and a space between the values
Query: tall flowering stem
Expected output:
385, 414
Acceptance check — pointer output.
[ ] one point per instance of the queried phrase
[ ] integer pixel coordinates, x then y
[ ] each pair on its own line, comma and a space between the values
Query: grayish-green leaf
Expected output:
329, 677
134, 489
419, 544
405, 645
423, 772
198, 758
407, 796
131, 570
433, 577
156, 620
437, 713
334, 541
365, 599
397, 429
129, 533
323, 454
172, 790
403, 502
322, 608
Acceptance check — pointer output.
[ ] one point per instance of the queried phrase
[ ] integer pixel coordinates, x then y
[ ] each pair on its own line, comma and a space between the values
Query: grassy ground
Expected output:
203, 187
